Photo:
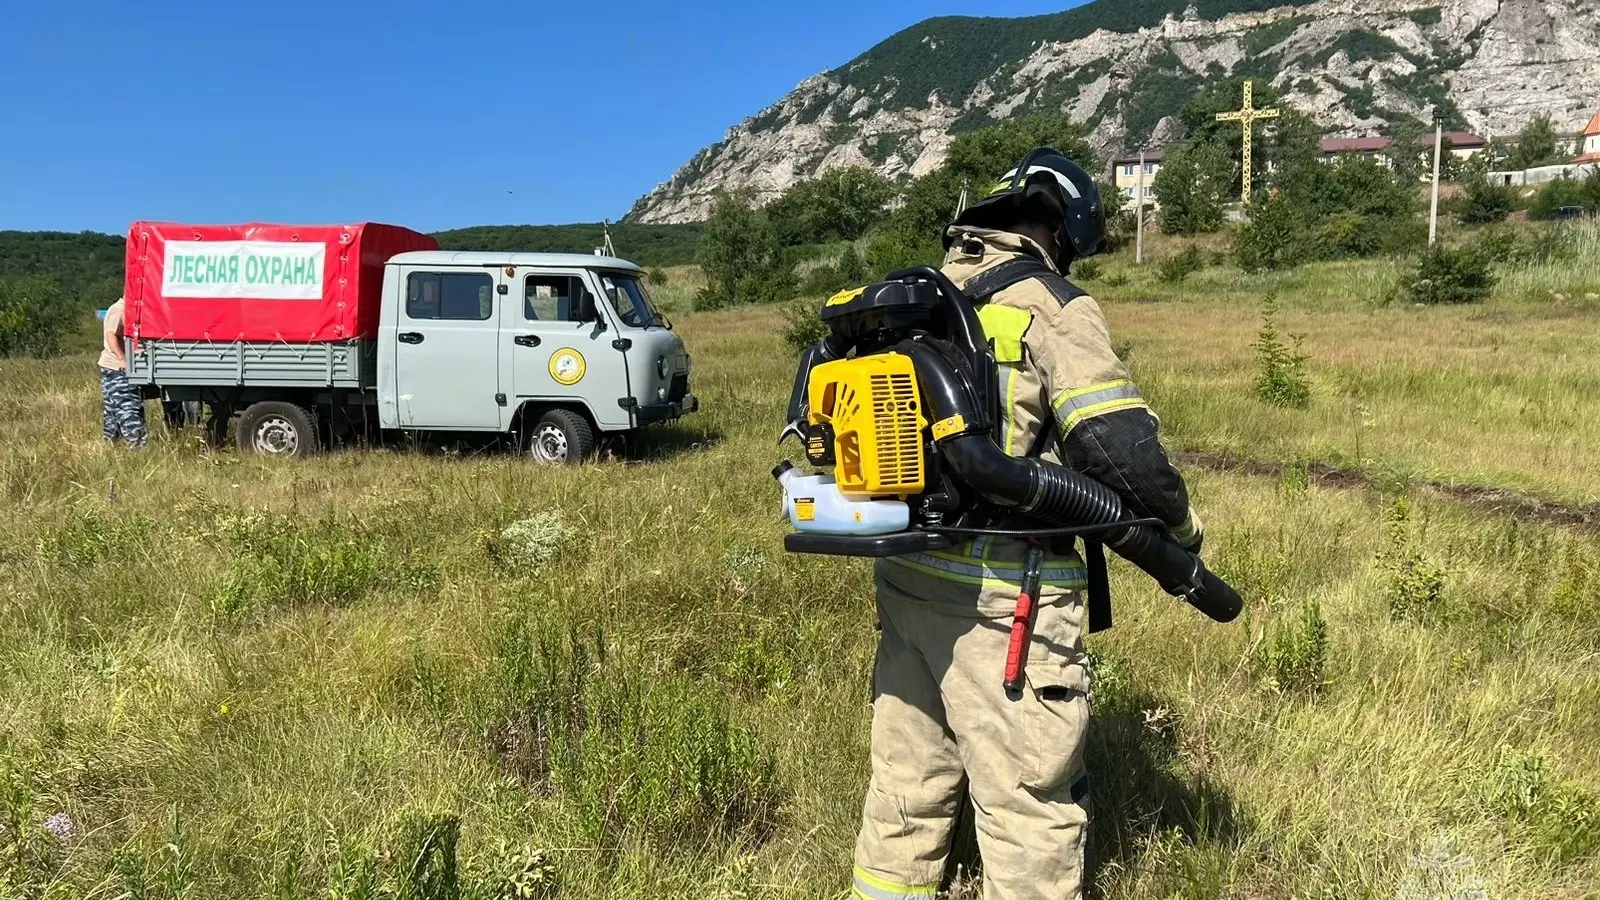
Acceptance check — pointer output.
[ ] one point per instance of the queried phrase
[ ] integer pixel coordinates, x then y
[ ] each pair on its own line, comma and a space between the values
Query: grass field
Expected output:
440, 675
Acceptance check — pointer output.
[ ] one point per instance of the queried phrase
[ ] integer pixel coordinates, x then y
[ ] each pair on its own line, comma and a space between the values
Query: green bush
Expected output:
1446, 275
848, 271
278, 562
1350, 208
1193, 184
1485, 202
1272, 239
839, 205
898, 248
1559, 819
1181, 265
35, 316
741, 257
1566, 192
1086, 269
1281, 368
1293, 658
1525, 245
630, 751
1413, 585
803, 325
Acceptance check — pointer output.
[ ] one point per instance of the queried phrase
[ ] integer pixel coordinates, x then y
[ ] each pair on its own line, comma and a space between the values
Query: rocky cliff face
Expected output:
1353, 65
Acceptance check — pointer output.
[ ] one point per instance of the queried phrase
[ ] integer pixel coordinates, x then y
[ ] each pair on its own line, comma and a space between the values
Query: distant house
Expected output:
1589, 150
1357, 146
1129, 178
1460, 144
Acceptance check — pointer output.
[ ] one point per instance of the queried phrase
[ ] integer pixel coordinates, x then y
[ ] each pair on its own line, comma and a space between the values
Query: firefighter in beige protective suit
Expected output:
941, 719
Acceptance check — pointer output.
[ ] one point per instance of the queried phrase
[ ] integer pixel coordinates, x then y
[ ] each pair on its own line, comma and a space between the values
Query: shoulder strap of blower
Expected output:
980, 288
1012, 272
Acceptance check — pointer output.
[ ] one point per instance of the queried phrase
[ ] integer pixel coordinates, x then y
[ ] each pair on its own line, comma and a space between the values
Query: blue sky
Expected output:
430, 115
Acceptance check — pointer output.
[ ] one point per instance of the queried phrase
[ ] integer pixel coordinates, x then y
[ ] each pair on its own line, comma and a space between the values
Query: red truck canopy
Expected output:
292, 283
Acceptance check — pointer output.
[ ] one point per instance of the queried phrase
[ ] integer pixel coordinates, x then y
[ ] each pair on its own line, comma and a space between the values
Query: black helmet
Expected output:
1052, 190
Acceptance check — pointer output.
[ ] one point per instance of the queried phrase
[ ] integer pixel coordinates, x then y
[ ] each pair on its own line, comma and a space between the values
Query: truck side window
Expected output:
550, 298
450, 295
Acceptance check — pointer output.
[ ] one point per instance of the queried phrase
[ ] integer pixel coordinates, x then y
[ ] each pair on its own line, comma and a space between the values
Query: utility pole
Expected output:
1433, 216
961, 202
1138, 193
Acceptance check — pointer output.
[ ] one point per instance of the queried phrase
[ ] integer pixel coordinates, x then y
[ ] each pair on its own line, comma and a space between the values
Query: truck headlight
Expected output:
661, 367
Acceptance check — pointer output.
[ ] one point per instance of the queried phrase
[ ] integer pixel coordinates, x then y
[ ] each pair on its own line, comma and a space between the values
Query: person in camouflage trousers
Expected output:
122, 404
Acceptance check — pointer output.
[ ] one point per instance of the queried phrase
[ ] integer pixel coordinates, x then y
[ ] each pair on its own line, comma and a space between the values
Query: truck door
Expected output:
447, 345
557, 357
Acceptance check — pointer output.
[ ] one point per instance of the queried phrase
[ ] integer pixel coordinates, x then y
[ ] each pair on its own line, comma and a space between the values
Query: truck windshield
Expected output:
632, 301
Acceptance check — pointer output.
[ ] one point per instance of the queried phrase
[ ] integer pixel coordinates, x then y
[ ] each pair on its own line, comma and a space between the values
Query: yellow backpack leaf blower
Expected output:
901, 400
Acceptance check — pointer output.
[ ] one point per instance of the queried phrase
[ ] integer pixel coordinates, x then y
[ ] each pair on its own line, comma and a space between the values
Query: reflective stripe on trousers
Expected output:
1095, 400
874, 888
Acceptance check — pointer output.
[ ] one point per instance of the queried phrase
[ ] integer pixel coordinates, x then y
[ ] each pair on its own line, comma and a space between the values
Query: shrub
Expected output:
35, 315
897, 247
1180, 266
1485, 202
1281, 368
1086, 269
803, 324
1446, 275
629, 751
1512, 245
88, 538
426, 855
841, 204
1293, 659
528, 544
1413, 585
278, 562
1272, 238
741, 257
1560, 819
1566, 192
848, 271
1192, 184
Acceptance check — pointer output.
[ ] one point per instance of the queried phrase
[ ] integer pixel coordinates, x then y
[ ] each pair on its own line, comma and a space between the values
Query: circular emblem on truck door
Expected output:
567, 366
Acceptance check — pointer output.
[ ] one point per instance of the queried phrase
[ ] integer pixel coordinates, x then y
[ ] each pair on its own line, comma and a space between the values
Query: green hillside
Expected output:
952, 54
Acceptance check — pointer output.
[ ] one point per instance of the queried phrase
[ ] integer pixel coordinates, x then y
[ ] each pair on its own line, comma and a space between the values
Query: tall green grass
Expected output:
393, 673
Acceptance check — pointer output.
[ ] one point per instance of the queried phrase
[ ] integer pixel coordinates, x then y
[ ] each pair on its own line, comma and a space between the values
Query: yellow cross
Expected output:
1246, 115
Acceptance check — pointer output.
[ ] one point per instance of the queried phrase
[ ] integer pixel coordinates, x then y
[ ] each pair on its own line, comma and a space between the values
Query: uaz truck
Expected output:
304, 335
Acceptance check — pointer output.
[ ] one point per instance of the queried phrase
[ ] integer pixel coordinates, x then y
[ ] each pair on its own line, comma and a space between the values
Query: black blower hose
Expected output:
1059, 496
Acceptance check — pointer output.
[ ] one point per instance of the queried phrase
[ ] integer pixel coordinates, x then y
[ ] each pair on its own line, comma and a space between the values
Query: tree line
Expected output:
51, 282
851, 224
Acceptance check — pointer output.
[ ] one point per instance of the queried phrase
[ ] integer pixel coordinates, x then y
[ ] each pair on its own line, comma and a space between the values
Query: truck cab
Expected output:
558, 349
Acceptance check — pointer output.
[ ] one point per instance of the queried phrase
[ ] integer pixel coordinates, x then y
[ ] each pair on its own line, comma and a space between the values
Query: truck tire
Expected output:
274, 428
560, 437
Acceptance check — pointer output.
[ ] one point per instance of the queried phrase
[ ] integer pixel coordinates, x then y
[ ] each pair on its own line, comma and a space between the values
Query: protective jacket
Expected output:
941, 718
1068, 399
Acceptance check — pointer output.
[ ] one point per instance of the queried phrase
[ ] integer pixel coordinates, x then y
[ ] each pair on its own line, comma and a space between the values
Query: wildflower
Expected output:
60, 825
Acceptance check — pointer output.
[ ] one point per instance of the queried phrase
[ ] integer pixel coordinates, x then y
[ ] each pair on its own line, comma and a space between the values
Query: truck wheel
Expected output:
561, 437
273, 428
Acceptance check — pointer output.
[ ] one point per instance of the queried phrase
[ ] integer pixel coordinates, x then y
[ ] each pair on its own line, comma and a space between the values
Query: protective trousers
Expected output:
942, 718
122, 409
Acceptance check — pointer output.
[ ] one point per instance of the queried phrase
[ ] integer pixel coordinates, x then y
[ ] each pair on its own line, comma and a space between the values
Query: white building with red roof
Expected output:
1589, 148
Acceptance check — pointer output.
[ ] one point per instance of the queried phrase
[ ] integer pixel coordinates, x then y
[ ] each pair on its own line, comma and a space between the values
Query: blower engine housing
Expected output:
900, 399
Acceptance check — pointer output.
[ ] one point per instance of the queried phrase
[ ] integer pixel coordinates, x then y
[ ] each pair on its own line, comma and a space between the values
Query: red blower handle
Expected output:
1022, 622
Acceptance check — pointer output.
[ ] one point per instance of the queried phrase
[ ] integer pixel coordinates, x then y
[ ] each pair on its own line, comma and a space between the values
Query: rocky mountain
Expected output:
1123, 65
